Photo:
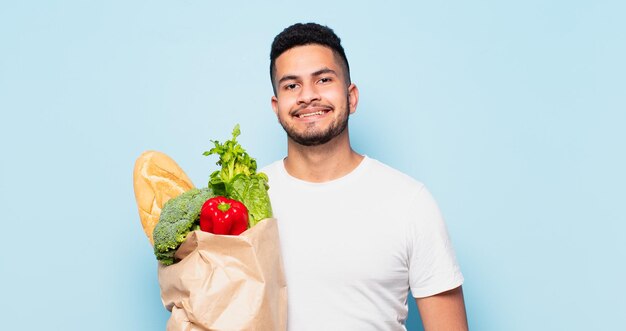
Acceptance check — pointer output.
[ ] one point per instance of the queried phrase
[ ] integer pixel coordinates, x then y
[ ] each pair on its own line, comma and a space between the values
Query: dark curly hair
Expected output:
301, 34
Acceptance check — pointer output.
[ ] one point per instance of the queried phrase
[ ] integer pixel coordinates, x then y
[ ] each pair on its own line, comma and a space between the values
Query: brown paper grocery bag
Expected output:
227, 282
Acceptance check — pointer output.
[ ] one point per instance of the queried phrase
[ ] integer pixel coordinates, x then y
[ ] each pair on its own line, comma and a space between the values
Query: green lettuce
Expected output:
237, 178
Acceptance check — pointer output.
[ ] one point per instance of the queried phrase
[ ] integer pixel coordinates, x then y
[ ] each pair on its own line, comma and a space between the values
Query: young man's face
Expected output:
312, 100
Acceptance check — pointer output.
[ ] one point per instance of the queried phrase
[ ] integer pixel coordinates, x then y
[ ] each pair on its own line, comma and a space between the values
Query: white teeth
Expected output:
311, 114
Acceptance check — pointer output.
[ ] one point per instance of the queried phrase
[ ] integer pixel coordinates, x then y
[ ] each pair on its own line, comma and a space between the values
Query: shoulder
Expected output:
391, 178
273, 168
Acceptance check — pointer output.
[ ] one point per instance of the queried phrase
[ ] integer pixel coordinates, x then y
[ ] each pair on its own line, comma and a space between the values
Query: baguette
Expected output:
156, 179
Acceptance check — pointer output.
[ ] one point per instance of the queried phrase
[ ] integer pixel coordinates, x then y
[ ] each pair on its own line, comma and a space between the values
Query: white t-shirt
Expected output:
352, 247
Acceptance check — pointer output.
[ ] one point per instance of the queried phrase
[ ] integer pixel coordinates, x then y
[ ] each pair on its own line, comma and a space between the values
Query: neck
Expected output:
322, 163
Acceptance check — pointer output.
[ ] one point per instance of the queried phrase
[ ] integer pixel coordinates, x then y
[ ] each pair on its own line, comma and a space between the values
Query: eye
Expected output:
290, 86
325, 80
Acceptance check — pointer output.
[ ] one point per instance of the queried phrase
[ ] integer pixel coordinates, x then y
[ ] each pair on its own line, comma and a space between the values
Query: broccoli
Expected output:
179, 216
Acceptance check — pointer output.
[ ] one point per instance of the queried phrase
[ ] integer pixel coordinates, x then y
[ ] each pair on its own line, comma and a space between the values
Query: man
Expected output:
356, 235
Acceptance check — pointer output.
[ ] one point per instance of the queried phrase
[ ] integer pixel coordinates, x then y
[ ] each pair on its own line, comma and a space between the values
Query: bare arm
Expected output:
443, 311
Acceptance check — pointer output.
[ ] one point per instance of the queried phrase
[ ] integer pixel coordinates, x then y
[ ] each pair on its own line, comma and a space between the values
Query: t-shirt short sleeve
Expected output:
432, 263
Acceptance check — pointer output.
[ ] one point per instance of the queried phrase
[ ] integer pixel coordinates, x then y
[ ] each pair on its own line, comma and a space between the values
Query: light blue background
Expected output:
512, 112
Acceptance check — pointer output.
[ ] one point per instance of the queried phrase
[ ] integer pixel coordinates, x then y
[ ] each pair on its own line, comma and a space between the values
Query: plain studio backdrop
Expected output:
511, 112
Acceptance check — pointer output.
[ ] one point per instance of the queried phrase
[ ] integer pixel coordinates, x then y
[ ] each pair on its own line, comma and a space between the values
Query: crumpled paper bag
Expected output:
227, 282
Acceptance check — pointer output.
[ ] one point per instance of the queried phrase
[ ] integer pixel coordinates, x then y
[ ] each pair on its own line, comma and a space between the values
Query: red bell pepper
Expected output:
220, 215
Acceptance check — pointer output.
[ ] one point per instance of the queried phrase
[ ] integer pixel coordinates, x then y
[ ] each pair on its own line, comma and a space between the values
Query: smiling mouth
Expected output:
319, 112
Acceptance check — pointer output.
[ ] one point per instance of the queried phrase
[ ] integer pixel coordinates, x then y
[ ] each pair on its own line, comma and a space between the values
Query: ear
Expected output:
353, 98
275, 104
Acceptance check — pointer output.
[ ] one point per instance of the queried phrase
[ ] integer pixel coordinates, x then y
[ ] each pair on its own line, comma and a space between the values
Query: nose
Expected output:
308, 94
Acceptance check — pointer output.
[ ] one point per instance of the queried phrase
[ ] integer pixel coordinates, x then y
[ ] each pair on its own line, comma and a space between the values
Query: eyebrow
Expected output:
314, 74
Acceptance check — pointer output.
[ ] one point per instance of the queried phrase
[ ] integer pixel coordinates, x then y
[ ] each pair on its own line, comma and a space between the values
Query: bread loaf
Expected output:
156, 179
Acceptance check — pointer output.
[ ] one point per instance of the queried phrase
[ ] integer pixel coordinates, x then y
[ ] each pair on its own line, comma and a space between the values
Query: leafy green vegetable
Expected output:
252, 191
179, 216
238, 178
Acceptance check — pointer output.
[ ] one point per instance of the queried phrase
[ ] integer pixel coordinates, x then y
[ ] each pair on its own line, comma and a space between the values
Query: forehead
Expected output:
303, 60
